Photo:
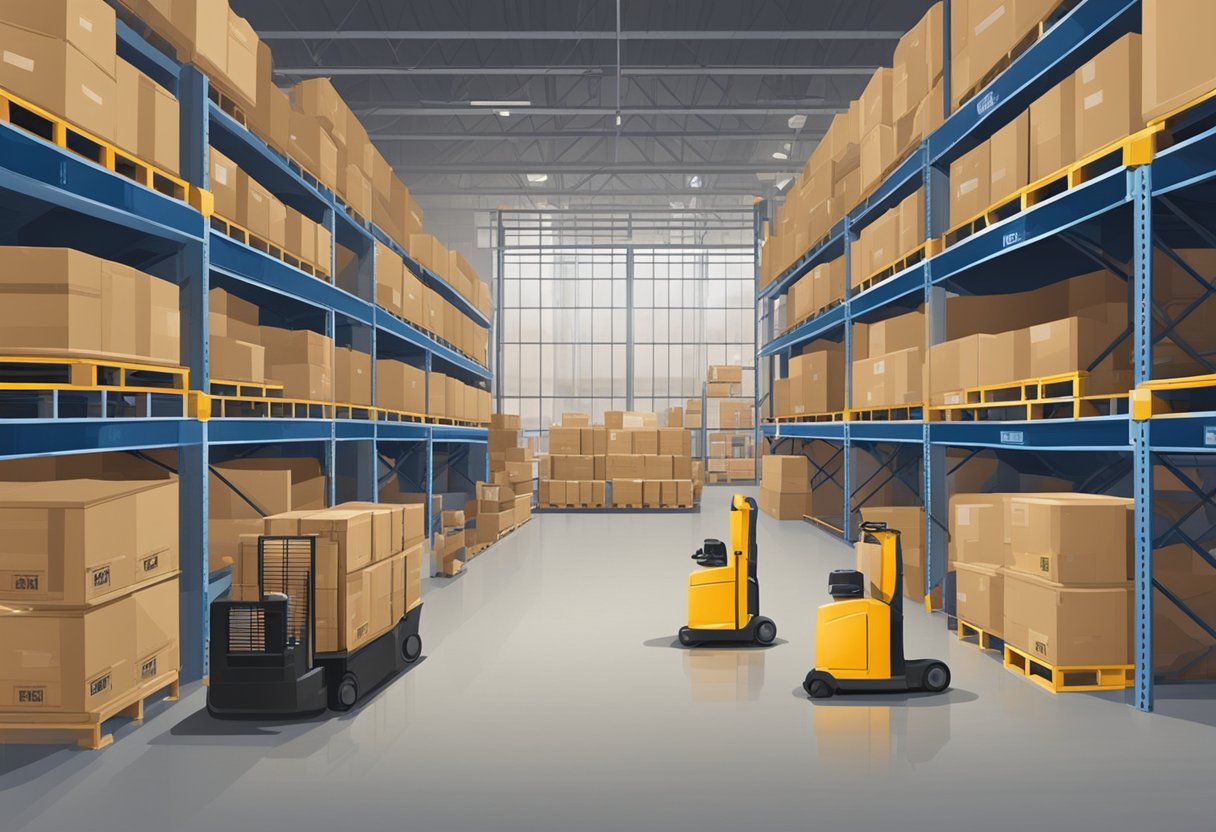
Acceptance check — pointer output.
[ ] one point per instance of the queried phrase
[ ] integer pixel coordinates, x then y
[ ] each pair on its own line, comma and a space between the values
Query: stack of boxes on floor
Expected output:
900, 106
368, 568
785, 487
731, 445
628, 462
505, 502
1048, 573
88, 589
451, 544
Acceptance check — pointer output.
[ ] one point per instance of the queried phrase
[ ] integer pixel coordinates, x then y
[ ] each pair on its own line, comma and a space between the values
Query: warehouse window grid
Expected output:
574, 300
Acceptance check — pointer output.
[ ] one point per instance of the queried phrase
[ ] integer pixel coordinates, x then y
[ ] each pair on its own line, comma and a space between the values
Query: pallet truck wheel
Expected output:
348, 693
818, 689
411, 648
766, 632
937, 677
686, 637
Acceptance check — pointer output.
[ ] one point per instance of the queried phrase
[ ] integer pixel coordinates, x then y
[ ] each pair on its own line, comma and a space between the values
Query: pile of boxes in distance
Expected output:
368, 573
991, 341
627, 462
731, 442
312, 368
900, 106
88, 591
1048, 573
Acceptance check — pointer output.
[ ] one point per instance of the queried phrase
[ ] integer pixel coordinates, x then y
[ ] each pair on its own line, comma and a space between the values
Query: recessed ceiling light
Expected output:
797, 122
781, 154
786, 145
505, 113
537, 178
695, 181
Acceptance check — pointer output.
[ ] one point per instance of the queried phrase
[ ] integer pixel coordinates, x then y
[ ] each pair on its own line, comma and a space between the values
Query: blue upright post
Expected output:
331, 446
1142, 191
936, 487
847, 523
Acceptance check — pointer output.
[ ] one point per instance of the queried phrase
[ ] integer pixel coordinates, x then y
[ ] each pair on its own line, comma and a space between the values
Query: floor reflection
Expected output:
724, 675
877, 736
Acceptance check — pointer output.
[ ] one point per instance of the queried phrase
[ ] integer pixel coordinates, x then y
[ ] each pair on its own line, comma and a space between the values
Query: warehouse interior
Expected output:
607, 415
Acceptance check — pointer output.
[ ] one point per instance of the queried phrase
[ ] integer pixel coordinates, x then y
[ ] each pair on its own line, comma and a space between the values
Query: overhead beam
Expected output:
574, 71
804, 135
586, 34
376, 109
515, 166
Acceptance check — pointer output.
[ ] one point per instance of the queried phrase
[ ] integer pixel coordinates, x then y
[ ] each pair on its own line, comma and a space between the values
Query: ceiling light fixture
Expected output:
500, 103
784, 183
505, 113
537, 178
695, 181
797, 122
781, 154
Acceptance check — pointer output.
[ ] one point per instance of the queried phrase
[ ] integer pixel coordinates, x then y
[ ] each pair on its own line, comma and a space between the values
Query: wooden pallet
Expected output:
1131, 151
45, 125
227, 104
246, 389
1069, 679
1168, 395
84, 729
820, 311
1052, 397
242, 234
923, 252
978, 636
347, 410
1058, 11
204, 406
837, 416
45, 386
899, 413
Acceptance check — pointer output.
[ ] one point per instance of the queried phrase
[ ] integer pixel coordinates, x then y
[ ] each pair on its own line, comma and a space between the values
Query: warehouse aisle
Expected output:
552, 698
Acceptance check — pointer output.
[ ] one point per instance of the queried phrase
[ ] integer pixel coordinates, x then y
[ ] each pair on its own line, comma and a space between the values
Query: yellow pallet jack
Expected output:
859, 641
724, 596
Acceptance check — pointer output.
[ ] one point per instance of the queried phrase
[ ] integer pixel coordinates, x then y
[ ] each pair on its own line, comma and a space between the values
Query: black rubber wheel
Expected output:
937, 677
818, 689
686, 637
411, 648
347, 694
766, 632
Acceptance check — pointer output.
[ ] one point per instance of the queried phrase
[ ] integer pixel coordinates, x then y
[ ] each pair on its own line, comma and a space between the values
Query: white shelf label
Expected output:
1209, 435
1013, 437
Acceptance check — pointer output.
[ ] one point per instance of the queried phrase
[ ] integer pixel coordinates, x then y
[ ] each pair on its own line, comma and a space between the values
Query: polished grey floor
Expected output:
552, 698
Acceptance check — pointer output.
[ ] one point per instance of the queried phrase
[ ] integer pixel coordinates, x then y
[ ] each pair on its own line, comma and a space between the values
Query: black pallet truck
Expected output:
263, 661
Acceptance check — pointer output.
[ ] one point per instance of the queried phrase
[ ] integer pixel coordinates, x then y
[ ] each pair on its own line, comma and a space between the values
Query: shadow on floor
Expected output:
919, 699
1188, 702
674, 642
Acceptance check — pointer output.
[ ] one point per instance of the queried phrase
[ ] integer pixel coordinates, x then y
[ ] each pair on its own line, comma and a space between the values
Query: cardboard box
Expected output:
645, 441
77, 661
53, 74
979, 530
627, 492
675, 441
785, 474
352, 376
1004, 357
505, 421
242, 61
1072, 538
1053, 130
970, 179
876, 102
302, 361
918, 62
573, 467
86, 25
735, 415
656, 467
83, 542
980, 596
233, 360
729, 373
400, 386
1068, 345
344, 542
1068, 626
1108, 101
491, 524
1009, 158
1178, 65
892, 334
877, 155
652, 493
626, 466
784, 505
953, 366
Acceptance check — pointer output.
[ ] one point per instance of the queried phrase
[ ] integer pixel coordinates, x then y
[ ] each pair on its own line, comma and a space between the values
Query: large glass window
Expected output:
578, 291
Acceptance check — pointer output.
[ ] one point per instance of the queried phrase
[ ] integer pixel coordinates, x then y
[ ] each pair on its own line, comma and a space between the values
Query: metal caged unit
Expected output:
1128, 216
169, 233
621, 309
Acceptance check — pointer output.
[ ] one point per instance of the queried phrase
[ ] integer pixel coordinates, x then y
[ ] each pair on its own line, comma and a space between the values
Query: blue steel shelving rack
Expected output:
53, 197
1056, 239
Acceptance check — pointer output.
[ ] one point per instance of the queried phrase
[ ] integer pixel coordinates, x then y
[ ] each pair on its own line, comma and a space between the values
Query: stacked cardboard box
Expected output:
818, 289
984, 32
1048, 573
815, 384
451, 546
887, 362
368, 567
724, 381
1178, 65
88, 595
505, 502
785, 487
693, 416
63, 302
628, 461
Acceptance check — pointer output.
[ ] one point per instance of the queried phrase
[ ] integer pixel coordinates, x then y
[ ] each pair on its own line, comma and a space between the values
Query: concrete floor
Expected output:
552, 697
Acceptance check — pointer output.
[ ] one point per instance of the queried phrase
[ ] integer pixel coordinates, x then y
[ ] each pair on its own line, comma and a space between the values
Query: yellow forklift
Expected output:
724, 596
859, 641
